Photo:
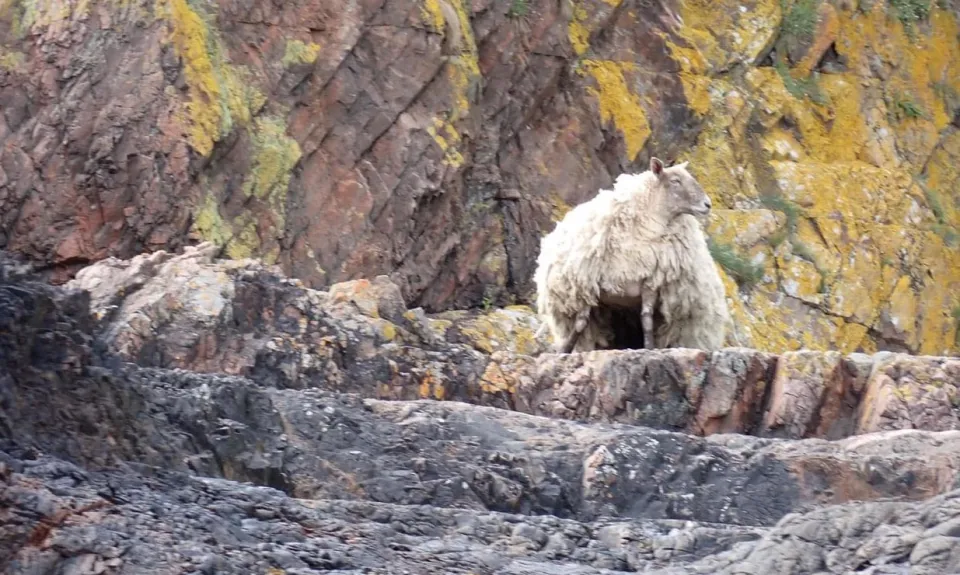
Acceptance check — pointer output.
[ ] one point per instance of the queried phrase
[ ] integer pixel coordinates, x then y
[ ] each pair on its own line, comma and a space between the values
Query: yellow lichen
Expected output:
432, 14
389, 331
447, 138
723, 33
300, 52
42, 16
431, 386
463, 72
220, 93
923, 68
494, 380
208, 223
245, 242
579, 27
500, 330
618, 104
577, 30
558, 208
274, 156
10, 60
859, 222
693, 75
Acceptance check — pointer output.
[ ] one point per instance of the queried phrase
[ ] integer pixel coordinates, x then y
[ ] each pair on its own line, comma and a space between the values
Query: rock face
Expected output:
240, 317
435, 141
182, 414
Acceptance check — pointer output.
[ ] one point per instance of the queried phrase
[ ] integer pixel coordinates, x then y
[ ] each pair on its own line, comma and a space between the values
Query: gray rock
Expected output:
113, 467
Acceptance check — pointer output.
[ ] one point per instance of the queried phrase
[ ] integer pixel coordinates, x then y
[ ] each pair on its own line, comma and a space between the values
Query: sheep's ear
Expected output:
683, 165
656, 166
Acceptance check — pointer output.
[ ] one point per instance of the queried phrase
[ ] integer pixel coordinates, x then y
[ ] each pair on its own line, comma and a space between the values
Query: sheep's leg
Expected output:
648, 302
571, 343
579, 325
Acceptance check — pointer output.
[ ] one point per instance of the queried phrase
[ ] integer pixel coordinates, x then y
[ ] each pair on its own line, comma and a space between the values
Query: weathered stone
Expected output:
435, 142
244, 318
110, 466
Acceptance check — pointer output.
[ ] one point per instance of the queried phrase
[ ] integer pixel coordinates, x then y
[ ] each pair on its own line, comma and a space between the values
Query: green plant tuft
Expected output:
743, 271
800, 21
518, 9
956, 335
935, 203
778, 203
911, 11
803, 251
908, 108
806, 88
942, 227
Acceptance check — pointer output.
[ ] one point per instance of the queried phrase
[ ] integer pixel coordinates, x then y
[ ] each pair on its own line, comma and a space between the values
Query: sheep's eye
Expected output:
675, 181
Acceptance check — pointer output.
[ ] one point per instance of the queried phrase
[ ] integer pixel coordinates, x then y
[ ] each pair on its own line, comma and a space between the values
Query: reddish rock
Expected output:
412, 164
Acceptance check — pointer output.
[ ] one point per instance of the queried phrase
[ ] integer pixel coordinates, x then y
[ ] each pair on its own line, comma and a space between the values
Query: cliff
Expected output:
435, 141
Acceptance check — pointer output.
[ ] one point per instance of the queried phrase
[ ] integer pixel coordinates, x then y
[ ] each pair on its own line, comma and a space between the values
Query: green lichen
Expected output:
209, 224
10, 61
14, 12
246, 242
274, 156
299, 52
942, 227
948, 94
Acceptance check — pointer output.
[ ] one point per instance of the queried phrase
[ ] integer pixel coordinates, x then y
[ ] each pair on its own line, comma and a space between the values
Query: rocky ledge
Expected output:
180, 414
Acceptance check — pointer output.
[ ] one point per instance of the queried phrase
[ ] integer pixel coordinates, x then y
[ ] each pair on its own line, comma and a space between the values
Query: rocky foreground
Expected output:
183, 415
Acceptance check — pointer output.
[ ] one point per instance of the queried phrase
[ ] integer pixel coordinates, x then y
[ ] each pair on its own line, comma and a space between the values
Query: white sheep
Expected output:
630, 263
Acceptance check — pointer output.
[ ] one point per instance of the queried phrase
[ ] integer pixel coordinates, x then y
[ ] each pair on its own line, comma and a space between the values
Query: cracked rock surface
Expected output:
150, 428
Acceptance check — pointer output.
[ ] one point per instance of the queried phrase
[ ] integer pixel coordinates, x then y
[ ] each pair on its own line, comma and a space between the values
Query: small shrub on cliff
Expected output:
742, 270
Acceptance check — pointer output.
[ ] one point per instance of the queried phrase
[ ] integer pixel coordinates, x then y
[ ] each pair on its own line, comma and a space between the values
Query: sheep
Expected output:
641, 247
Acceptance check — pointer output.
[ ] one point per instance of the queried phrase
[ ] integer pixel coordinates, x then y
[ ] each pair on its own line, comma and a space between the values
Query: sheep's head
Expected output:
682, 192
